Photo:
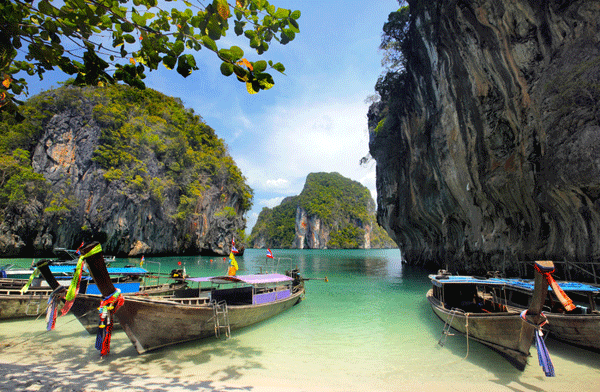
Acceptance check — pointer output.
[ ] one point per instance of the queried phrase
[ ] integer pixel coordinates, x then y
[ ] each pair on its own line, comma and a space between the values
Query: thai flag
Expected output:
269, 253
233, 249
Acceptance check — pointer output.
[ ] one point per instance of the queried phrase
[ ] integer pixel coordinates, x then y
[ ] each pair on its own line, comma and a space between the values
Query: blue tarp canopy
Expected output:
524, 284
69, 269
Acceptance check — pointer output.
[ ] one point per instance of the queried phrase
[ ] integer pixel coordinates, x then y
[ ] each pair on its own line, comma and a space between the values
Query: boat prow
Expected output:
469, 305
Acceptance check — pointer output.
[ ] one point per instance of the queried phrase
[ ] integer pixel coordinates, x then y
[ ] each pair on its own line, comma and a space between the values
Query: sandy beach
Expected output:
65, 360
369, 329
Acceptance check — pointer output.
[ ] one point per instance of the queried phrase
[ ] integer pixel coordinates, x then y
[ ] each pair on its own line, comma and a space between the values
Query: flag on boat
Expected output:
142, 261
269, 253
233, 265
233, 249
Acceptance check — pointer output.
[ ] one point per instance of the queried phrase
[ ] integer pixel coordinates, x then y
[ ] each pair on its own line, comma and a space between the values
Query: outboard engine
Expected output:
177, 274
295, 274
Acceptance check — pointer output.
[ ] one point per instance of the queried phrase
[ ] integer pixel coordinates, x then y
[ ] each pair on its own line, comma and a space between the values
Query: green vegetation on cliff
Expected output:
149, 143
276, 225
333, 197
344, 207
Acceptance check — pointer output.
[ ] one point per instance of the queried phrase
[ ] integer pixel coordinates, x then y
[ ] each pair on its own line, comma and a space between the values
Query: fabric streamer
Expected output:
51, 312
34, 274
107, 309
560, 294
74, 286
543, 354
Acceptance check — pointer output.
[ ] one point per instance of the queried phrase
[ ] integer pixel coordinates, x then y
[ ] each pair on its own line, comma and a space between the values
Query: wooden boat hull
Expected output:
579, 327
15, 305
85, 307
495, 330
580, 330
34, 302
151, 323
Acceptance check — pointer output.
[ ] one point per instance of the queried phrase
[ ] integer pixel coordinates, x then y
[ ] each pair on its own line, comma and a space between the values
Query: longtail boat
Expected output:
572, 309
232, 302
465, 304
85, 306
14, 303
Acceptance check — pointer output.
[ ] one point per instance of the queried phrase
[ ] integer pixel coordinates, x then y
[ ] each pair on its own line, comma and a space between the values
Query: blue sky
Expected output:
315, 117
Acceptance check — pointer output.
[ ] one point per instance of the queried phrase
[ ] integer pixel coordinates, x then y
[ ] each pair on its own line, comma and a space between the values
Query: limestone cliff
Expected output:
488, 145
132, 169
331, 212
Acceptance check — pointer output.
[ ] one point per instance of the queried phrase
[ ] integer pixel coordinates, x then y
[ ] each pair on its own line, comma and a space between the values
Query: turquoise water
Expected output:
369, 328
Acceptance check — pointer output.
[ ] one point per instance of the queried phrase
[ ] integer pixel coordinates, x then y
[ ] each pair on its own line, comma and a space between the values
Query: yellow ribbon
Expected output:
71, 292
35, 273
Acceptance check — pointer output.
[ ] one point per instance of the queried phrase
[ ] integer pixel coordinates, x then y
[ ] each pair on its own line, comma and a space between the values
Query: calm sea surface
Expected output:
369, 328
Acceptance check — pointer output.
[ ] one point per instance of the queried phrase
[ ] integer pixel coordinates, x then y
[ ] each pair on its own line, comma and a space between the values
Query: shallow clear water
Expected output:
369, 328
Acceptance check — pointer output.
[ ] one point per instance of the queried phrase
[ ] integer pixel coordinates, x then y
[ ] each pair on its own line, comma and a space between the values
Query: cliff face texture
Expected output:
127, 218
313, 233
490, 152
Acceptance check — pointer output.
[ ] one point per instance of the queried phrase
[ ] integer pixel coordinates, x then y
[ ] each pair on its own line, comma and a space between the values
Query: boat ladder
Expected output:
32, 303
446, 331
221, 317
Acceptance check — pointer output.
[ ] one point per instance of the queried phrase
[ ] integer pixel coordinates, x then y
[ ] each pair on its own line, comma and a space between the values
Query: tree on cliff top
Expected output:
87, 38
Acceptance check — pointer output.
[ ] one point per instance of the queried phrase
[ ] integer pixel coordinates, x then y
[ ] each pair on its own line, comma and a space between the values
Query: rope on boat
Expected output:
467, 334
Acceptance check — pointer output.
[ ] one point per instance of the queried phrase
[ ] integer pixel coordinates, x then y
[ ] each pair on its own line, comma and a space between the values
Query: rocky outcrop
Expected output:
311, 231
490, 148
127, 218
331, 212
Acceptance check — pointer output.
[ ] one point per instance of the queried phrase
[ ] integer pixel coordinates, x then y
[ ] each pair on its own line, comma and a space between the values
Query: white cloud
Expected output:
277, 184
271, 202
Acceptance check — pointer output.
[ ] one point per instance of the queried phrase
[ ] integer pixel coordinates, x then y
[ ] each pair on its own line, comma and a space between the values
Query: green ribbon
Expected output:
34, 274
73, 287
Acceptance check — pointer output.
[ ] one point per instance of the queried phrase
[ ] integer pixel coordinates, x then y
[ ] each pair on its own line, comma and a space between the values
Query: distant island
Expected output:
331, 212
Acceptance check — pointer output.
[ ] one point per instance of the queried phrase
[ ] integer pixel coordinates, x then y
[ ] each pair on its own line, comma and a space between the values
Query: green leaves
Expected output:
186, 64
142, 32
226, 68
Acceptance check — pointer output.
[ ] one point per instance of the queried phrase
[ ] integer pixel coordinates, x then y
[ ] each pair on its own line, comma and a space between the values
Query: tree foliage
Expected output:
109, 41
19, 184
394, 43
333, 197
150, 145
394, 39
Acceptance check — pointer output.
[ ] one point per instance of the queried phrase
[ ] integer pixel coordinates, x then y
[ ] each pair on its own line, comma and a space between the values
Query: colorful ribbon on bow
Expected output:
107, 309
543, 355
51, 311
34, 274
74, 286
560, 294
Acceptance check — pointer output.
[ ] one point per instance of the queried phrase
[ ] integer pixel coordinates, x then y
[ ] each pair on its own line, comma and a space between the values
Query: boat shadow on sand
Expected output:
67, 358
470, 351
